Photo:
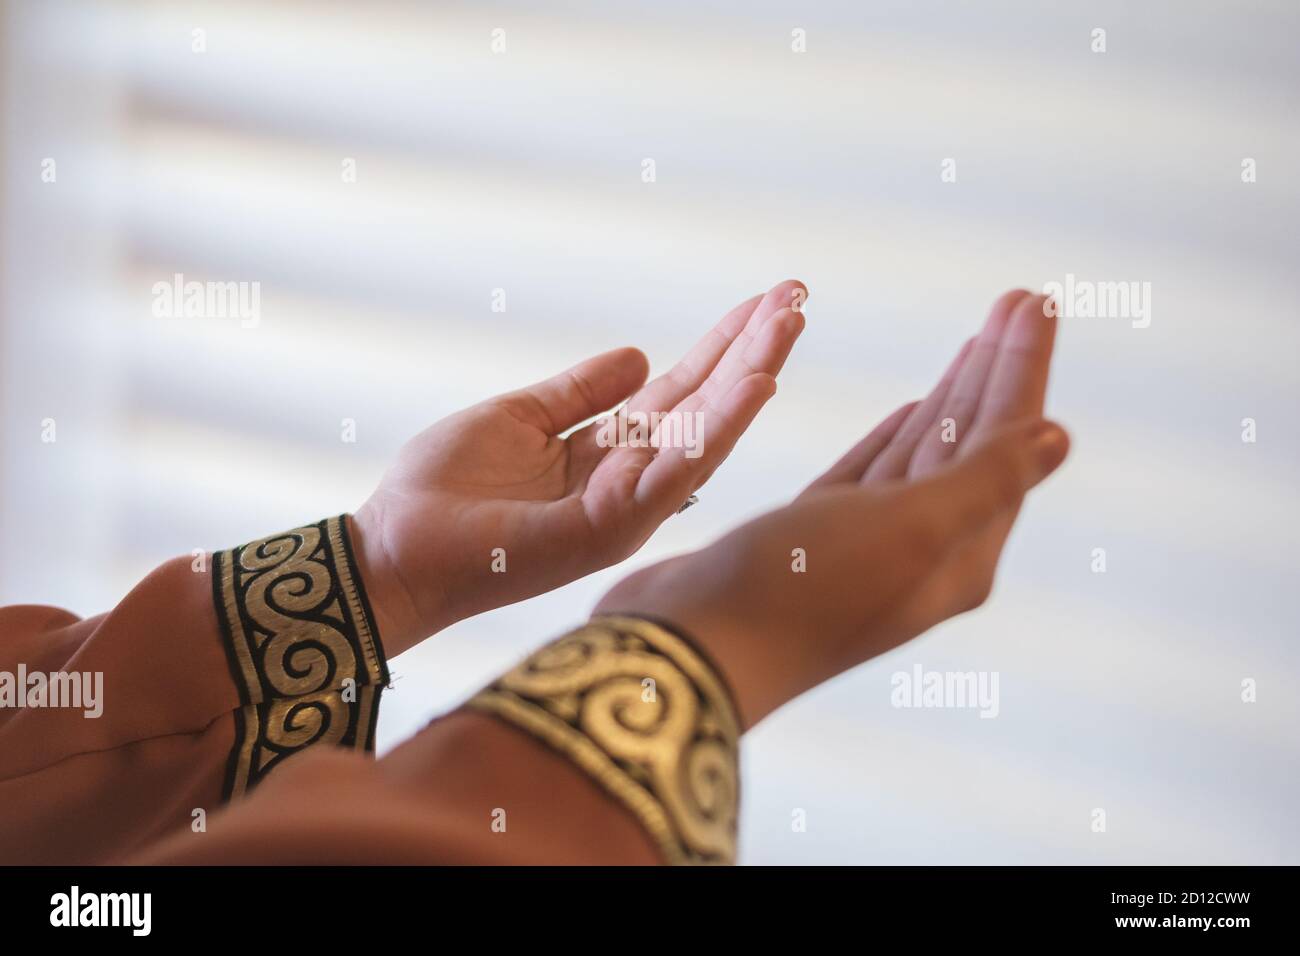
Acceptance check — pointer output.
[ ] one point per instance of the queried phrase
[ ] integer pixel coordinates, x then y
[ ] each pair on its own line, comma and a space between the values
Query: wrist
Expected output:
740, 655
745, 658
397, 617
643, 712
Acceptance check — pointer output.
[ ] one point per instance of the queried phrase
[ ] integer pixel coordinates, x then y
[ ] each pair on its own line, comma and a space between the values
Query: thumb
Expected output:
972, 491
592, 386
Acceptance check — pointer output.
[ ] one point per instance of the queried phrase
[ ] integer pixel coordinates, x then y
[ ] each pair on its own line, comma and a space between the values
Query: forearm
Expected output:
194, 688
496, 795
401, 621
144, 740
732, 622
468, 790
616, 744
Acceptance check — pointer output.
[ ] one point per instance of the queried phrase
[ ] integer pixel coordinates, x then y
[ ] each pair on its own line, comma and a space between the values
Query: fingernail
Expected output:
1050, 445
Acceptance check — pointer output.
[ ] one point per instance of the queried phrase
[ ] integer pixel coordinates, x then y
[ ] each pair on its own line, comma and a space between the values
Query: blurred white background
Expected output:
522, 171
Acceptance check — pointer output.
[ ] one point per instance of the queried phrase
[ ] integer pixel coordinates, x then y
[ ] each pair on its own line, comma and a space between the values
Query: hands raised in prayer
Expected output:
904, 531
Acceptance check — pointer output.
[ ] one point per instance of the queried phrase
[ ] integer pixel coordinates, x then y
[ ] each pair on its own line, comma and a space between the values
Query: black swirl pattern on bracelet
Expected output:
302, 645
640, 711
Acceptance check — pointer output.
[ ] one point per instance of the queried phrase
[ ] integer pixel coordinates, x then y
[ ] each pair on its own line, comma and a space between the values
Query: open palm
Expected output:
998, 379
904, 531
505, 500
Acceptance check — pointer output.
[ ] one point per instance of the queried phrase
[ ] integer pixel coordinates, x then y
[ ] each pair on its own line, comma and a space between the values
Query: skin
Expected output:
503, 474
904, 531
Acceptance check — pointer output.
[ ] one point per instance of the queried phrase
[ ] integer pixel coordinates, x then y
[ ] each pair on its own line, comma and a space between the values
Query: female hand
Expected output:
503, 475
903, 532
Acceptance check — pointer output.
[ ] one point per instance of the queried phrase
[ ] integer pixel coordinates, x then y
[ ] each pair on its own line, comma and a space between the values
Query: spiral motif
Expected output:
302, 643
299, 722
287, 593
645, 715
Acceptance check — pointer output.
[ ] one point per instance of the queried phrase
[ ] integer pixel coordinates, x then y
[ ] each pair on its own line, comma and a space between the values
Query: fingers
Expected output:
857, 459
694, 367
589, 388
722, 404
775, 316
679, 469
965, 496
1017, 382
728, 340
956, 414
758, 351
892, 462
773, 343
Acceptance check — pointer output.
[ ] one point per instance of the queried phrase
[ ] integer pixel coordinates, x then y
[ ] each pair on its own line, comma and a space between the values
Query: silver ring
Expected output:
693, 499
